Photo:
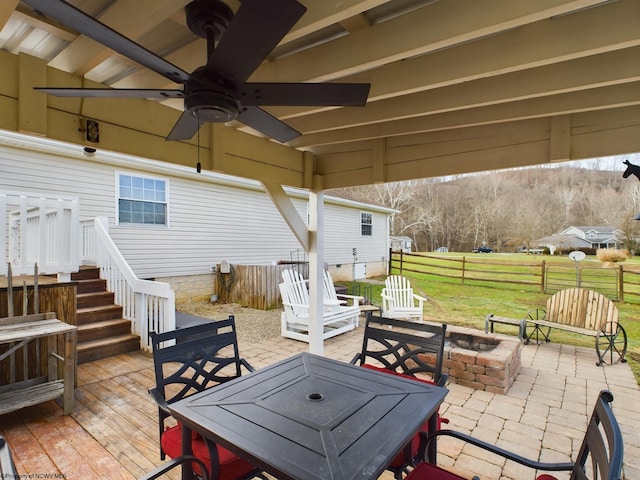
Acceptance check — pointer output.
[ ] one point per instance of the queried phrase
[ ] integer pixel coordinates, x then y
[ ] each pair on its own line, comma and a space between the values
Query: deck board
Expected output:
112, 433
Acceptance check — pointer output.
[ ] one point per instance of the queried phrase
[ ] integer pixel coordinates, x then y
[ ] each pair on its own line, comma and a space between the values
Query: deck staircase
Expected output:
102, 332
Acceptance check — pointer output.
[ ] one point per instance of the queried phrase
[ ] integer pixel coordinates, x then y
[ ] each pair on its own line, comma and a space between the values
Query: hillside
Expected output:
504, 209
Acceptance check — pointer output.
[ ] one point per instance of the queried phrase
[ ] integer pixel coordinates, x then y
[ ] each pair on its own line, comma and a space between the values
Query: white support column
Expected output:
316, 264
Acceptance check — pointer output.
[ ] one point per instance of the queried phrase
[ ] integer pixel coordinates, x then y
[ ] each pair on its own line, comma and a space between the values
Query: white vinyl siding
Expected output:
210, 221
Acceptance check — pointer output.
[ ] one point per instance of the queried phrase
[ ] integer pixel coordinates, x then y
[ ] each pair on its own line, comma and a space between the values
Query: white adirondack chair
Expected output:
399, 301
294, 319
332, 297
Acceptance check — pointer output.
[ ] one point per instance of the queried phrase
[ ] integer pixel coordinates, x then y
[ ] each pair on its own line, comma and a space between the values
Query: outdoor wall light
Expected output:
89, 151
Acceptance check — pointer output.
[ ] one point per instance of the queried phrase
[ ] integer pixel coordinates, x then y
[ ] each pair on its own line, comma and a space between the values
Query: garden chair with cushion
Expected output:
599, 457
411, 350
187, 361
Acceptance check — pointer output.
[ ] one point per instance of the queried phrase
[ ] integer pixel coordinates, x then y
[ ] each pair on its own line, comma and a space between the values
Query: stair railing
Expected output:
149, 305
39, 228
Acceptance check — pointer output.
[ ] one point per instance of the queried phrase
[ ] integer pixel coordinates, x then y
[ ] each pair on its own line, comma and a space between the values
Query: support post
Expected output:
316, 265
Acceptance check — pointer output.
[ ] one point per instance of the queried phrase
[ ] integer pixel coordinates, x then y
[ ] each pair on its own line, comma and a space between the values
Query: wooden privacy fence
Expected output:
543, 276
254, 286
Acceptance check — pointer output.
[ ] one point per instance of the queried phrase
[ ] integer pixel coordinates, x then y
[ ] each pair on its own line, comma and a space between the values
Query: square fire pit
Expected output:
482, 361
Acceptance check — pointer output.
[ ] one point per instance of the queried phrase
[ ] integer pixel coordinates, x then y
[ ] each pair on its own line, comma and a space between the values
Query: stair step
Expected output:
94, 299
100, 312
103, 329
92, 285
108, 347
86, 273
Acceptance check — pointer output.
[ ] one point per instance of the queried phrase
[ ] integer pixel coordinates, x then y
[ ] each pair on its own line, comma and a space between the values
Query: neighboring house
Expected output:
401, 243
576, 237
172, 224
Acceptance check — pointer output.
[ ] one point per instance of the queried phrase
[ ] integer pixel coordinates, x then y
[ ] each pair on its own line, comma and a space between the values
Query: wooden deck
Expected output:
112, 433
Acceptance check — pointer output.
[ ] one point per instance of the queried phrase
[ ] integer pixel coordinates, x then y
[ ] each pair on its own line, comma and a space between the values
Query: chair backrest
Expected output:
602, 444
328, 288
584, 308
7, 467
190, 360
399, 289
294, 292
404, 347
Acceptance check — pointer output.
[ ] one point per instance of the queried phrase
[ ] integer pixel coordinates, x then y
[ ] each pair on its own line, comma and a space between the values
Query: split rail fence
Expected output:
542, 275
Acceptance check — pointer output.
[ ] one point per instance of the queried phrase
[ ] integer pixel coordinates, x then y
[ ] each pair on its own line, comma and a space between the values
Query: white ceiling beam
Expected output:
435, 26
581, 74
321, 14
581, 101
530, 46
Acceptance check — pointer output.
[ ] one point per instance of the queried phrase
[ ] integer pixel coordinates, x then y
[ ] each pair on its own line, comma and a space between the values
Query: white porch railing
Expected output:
39, 229
149, 305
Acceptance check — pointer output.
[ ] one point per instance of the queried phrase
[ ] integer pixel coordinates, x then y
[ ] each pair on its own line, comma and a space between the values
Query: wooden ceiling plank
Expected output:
6, 10
83, 54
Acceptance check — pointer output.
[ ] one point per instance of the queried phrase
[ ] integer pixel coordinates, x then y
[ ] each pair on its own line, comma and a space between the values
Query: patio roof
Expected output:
456, 86
112, 433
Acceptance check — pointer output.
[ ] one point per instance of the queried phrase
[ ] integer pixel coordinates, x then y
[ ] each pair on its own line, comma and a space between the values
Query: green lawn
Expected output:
466, 305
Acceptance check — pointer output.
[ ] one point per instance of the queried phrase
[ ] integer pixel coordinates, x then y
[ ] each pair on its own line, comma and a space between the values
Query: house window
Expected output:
142, 200
366, 227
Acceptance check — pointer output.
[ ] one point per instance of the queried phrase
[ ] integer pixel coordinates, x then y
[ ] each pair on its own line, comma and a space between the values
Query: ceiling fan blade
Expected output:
112, 92
72, 17
185, 128
254, 32
305, 94
267, 124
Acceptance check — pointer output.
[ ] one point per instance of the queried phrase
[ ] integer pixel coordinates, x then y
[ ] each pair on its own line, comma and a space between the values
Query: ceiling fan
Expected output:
218, 91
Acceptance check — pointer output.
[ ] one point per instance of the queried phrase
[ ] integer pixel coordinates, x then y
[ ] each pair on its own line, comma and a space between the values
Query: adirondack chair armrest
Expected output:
160, 401
300, 305
419, 298
356, 298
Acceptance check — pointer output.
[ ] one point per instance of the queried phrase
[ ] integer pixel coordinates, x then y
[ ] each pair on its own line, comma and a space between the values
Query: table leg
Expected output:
187, 469
432, 447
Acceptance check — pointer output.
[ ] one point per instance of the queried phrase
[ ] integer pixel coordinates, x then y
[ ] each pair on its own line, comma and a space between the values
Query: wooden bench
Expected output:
582, 311
29, 378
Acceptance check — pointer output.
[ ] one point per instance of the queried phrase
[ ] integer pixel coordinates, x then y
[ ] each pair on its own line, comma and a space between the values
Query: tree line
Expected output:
506, 209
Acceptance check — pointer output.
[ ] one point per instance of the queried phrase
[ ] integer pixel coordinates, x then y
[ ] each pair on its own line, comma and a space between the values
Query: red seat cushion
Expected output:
426, 471
399, 459
231, 466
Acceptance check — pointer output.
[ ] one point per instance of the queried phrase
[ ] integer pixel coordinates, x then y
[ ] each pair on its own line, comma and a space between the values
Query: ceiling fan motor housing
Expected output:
205, 17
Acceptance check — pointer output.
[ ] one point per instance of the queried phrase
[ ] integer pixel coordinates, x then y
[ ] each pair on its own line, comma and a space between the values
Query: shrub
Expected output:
612, 255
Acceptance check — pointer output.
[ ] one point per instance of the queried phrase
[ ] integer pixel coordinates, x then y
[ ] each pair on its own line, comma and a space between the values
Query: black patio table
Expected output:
310, 417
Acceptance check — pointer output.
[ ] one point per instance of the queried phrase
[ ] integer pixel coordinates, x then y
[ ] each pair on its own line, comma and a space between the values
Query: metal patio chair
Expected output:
187, 361
600, 456
408, 349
